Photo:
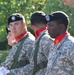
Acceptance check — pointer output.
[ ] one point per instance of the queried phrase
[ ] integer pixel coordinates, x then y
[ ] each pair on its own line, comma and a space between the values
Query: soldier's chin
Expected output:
52, 36
16, 35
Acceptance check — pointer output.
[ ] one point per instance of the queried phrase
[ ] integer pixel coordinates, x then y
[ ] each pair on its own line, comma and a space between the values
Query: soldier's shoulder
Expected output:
47, 37
71, 39
30, 39
69, 42
31, 36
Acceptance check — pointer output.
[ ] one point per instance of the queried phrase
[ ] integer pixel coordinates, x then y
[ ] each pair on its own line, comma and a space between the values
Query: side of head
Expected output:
59, 22
17, 24
38, 19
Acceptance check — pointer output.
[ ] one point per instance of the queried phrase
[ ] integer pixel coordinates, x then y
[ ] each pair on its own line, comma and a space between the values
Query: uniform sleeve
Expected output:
26, 70
45, 44
72, 60
9, 59
27, 48
64, 62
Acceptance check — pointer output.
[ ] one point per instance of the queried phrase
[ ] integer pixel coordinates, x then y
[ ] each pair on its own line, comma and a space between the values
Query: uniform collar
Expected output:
59, 38
20, 36
39, 31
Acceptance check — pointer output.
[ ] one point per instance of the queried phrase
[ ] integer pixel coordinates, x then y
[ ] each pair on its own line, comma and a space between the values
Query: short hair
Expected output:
38, 18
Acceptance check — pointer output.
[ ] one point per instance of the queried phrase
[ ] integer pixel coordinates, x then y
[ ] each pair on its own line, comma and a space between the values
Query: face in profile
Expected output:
10, 38
53, 29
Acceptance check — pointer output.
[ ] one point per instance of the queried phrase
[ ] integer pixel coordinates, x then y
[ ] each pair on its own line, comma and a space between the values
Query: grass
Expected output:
3, 54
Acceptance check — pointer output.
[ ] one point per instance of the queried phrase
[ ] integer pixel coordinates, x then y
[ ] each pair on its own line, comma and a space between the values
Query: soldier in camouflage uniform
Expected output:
10, 37
61, 54
23, 45
39, 53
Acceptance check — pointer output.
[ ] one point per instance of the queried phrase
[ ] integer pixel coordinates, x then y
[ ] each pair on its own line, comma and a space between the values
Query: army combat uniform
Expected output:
24, 54
61, 57
42, 56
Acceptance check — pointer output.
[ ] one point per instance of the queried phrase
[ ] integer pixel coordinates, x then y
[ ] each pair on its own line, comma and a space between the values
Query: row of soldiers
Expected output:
49, 52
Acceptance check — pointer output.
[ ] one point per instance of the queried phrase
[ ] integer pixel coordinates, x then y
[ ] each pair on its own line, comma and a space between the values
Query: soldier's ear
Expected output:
24, 24
32, 27
62, 27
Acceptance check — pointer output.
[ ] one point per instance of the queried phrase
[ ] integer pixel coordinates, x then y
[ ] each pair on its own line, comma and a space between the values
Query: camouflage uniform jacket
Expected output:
24, 53
42, 56
61, 57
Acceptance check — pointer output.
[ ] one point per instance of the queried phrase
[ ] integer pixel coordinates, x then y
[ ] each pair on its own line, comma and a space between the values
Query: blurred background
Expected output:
27, 7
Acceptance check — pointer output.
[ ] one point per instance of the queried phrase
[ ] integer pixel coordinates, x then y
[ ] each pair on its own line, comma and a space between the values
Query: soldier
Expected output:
39, 26
38, 59
10, 37
61, 54
20, 53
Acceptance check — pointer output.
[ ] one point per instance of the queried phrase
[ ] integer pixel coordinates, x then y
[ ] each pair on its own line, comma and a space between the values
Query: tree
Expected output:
58, 5
25, 7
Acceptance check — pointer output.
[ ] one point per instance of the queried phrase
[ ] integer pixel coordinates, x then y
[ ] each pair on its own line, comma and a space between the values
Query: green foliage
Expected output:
3, 55
57, 5
25, 7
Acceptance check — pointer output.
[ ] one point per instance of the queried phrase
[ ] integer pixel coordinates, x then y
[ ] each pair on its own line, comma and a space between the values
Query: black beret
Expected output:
57, 16
7, 29
38, 14
15, 17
